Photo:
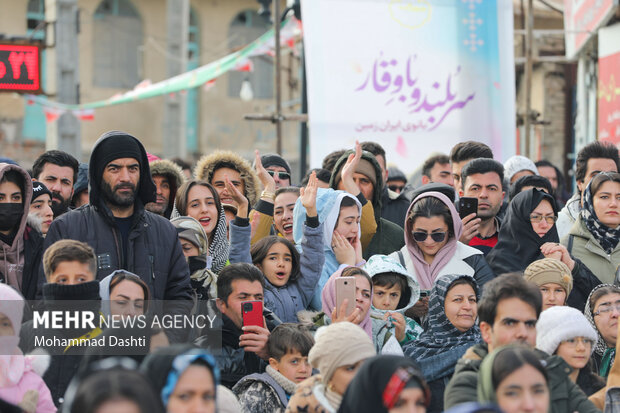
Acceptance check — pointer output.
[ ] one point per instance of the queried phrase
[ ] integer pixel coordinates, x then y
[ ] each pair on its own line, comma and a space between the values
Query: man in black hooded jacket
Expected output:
115, 224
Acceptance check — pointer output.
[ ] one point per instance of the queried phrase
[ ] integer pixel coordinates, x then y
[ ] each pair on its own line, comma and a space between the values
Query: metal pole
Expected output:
304, 109
278, 115
529, 41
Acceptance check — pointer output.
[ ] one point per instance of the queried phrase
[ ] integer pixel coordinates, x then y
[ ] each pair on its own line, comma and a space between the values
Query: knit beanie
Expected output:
557, 324
550, 270
365, 168
82, 179
272, 159
395, 174
116, 146
39, 189
516, 164
339, 344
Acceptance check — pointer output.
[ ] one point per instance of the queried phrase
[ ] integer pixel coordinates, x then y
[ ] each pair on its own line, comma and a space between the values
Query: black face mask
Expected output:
196, 264
10, 215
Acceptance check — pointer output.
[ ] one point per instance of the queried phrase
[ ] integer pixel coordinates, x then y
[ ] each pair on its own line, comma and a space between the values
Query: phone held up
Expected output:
345, 289
252, 313
467, 206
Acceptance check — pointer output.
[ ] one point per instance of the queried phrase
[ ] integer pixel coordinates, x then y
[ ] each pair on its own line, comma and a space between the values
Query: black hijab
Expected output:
378, 383
518, 245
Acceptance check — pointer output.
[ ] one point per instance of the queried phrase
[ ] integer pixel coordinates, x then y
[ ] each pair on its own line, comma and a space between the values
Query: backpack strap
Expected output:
401, 258
569, 247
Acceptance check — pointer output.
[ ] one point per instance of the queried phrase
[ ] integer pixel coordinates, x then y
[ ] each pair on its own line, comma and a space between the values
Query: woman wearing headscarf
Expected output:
595, 236
529, 233
375, 326
602, 311
385, 384
451, 330
432, 249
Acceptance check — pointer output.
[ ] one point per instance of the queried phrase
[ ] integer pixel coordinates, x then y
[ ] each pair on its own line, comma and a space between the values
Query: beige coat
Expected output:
587, 249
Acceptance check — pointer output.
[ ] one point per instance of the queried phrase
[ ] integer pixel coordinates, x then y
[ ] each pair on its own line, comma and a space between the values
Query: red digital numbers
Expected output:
20, 69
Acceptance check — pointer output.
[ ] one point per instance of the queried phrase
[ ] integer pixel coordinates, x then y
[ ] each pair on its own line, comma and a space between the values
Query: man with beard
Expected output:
168, 177
115, 224
482, 179
58, 171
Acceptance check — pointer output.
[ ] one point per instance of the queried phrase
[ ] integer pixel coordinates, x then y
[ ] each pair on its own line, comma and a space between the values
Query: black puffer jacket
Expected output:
154, 252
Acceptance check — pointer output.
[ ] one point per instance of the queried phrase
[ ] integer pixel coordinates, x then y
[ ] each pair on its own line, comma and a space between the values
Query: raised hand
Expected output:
349, 168
344, 251
341, 314
269, 184
240, 199
308, 195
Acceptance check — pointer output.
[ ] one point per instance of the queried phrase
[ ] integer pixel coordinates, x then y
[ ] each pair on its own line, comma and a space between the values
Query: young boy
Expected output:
288, 346
70, 268
69, 262
394, 292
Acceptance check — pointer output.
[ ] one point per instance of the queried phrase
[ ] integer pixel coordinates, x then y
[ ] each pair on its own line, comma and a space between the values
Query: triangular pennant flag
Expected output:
245, 65
52, 114
209, 85
84, 114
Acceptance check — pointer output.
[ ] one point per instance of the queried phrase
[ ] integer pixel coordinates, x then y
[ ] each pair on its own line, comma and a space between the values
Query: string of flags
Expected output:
204, 76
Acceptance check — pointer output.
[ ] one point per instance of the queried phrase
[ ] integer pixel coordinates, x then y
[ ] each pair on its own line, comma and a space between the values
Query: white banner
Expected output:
413, 75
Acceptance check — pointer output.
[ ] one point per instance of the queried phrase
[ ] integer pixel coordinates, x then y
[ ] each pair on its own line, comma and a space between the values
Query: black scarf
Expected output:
369, 388
518, 245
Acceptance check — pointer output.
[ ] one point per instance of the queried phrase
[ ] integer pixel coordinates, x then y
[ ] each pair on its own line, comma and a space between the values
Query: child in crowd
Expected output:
269, 392
70, 267
290, 278
20, 384
394, 292
553, 278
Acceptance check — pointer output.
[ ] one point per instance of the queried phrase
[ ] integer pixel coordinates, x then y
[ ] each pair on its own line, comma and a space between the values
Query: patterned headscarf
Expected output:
608, 354
441, 335
607, 237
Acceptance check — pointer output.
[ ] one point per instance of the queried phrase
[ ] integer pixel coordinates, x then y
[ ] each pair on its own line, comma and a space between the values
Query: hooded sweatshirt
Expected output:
20, 384
151, 248
14, 268
382, 264
388, 236
328, 207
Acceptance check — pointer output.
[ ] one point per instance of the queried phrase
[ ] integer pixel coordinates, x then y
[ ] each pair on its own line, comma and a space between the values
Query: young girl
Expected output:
289, 278
19, 384
340, 213
199, 200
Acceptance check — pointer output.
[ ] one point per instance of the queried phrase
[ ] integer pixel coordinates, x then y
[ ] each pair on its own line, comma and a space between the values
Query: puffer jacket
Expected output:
263, 393
154, 252
175, 176
388, 236
565, 396
581, 244
295, 296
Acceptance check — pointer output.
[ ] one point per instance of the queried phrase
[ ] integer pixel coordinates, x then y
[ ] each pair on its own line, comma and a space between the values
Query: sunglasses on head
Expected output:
281, 175
420, 236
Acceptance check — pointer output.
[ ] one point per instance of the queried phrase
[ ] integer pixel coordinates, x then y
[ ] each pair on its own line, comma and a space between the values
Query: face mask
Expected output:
10, 215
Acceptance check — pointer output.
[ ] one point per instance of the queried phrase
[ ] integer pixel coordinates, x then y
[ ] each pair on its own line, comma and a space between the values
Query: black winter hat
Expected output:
82, 180
39, 189
272, 159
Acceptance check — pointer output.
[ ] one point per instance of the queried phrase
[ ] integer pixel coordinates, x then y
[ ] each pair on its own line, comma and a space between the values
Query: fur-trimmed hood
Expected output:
208, 163
173, 173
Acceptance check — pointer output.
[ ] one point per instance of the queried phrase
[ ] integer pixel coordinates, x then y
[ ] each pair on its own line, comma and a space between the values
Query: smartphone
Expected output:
345, 289
252, 313
467, 206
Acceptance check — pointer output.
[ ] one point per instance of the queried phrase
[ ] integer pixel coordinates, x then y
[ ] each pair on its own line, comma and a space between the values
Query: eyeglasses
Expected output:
536, 218
420, 236
606, 308
572, 342
281, 175
396, 188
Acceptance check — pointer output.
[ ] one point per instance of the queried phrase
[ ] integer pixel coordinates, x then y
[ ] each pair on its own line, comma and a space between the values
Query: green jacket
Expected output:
589, 251
566, 396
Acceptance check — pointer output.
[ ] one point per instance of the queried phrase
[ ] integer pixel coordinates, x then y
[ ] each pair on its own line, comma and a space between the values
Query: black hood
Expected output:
99, 158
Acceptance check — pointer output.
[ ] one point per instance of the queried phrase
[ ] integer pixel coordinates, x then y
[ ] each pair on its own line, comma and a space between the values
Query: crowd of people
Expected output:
351, 292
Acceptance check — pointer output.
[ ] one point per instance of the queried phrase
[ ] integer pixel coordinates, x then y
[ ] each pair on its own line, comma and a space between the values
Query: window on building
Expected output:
246, 27
117, 37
